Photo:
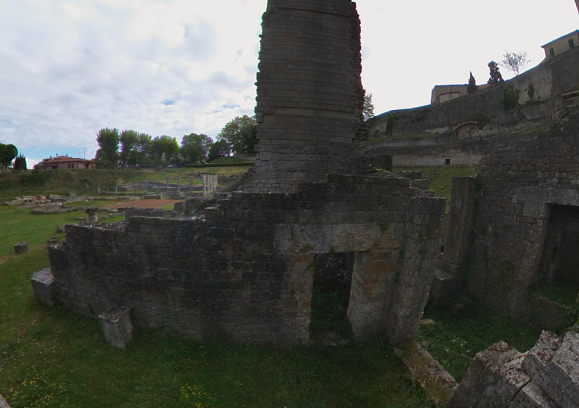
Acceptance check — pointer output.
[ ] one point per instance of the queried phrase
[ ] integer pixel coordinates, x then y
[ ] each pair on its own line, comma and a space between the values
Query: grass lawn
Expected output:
61, 358
441, 177
453, 341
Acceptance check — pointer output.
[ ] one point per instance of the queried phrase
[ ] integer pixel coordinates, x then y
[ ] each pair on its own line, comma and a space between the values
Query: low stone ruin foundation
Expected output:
246, 269
244, 266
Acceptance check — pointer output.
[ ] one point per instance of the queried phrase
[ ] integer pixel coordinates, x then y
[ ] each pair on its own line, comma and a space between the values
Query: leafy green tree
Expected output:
219, 149
240, 133
471, 88
195, 147
128, 141
164, 149
495, 74
20, 163
108, 141
368, 106
142, 149
7, 153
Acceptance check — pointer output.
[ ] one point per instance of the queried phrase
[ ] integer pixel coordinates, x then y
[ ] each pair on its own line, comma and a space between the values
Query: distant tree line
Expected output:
131, 148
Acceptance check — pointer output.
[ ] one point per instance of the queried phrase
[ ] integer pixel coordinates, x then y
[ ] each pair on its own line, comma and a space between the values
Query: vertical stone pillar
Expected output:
460, 219
422, 239
309, 93
92, 215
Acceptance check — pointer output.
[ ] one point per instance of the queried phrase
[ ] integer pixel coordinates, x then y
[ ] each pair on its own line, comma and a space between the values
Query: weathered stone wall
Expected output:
518, 186
309, 94
246, 270
550, 79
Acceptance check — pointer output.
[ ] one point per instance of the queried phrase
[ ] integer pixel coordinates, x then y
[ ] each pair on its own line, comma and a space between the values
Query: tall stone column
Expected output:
309, 93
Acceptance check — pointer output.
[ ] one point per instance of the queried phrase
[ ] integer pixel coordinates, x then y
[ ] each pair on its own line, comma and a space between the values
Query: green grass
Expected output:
565, 294
86, 182
441, 177
416, 136
19, 224
453, 341
62, 356
229, 160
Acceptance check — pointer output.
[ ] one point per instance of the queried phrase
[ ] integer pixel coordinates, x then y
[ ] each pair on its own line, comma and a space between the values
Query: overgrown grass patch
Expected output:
563, 293
60, 357
86, 181
441, 177
453, 341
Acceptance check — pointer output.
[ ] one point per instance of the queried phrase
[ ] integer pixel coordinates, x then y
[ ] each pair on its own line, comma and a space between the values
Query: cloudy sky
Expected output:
171, 67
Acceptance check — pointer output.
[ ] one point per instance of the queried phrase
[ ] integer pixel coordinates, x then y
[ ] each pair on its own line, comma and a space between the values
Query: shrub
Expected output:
390, 121
510, 99
482, 119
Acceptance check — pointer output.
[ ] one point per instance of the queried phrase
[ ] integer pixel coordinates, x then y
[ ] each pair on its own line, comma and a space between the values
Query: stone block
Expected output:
442, 286
117, 326
43, 287
493, 379
20, 247
531, 396
560, 378
541, 354
3, 403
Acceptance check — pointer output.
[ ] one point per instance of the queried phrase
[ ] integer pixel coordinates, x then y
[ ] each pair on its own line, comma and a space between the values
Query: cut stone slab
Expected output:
437, 382
117, 326
560, 377
494, 378
531, 396
21, 247
43, 286
3, 403
541, 354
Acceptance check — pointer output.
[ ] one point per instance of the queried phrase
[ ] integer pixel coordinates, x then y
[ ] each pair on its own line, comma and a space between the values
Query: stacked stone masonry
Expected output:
309, 94
549, 80
247, 269
527, 195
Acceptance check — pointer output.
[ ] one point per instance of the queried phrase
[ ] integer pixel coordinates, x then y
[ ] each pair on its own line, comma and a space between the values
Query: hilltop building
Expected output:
65, 162
561, 44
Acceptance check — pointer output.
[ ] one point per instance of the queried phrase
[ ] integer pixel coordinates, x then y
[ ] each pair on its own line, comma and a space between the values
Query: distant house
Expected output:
65, 162
561, 44
444, 93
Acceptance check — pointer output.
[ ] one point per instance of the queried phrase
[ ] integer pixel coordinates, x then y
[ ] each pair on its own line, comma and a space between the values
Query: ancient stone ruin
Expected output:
245, 266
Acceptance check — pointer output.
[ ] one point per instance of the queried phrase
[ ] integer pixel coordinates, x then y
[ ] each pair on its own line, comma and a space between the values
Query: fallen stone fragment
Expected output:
20, 247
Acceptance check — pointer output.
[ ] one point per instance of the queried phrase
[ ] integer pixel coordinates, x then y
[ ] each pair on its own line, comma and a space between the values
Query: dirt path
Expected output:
142, 204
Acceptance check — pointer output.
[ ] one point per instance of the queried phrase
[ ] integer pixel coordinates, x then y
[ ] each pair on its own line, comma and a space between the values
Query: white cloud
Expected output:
172, 67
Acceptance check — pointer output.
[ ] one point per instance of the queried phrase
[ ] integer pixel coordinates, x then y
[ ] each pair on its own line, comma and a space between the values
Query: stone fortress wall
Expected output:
550, 79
